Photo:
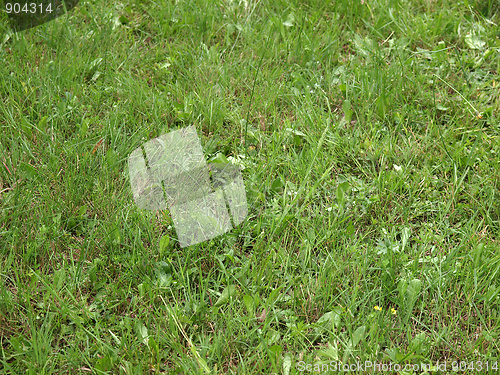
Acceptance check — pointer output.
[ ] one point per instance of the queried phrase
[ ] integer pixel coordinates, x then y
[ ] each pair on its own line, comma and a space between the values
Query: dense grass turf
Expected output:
369, 135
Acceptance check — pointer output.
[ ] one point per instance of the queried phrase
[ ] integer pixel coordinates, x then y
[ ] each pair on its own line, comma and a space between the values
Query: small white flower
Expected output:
397, 168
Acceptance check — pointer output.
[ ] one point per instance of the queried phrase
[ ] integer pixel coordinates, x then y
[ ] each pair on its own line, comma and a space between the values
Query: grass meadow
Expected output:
368, 134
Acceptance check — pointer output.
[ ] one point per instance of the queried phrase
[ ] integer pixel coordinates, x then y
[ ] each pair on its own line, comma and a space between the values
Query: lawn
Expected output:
368, 135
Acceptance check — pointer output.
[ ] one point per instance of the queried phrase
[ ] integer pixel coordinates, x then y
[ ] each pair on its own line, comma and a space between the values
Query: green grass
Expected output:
371, 138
